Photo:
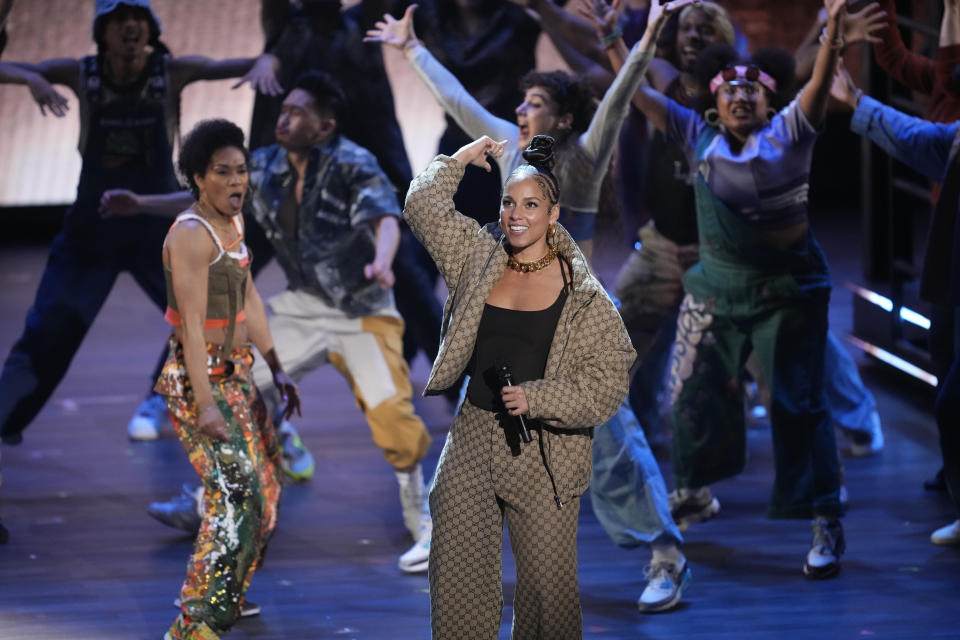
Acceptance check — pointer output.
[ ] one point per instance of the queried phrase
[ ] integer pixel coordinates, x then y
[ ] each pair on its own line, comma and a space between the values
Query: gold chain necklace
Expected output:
201, 208
536, 265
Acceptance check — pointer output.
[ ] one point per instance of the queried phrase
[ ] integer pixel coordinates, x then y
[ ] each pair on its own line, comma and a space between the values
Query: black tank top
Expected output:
519, 338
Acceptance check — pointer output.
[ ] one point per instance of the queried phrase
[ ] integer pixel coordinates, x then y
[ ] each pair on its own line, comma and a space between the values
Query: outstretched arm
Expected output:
39, 78
865, 25
906, 67
813, 101
260, 72
469, 114
123, 202
923, 145
652, 103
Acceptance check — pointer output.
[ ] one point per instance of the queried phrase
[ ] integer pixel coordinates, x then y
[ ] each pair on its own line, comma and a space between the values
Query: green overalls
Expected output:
748, 294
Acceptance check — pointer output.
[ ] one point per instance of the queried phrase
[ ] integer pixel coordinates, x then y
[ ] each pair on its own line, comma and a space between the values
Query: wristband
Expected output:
607, 41
836, 43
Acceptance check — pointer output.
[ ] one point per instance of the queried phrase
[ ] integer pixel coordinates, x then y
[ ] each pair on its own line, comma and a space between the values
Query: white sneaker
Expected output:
666, 583
413, 496
947, 536
417, 558
150, 416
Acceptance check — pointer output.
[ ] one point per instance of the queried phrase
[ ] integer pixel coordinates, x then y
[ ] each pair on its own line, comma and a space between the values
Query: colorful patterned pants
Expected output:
478, 485
241, 488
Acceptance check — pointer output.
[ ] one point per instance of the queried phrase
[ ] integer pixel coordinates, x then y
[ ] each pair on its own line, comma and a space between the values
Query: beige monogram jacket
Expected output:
586, 375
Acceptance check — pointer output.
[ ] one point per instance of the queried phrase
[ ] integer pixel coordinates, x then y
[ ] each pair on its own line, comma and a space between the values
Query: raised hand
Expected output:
263, 76
604, 16
862, 25
834, 8
661, 12
476, 152
843, 87
395, 33
46, 96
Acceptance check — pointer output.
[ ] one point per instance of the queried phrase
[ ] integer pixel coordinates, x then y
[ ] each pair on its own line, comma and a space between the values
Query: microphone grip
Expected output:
507, 380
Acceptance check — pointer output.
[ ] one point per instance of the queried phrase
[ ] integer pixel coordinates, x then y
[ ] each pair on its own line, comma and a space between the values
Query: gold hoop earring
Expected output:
771, 113
712, 116
552, 232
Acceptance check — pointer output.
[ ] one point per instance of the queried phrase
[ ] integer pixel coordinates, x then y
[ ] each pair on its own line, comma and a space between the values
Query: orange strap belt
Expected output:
173, 318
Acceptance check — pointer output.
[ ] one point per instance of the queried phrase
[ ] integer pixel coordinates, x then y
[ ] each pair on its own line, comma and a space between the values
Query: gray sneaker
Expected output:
182, 511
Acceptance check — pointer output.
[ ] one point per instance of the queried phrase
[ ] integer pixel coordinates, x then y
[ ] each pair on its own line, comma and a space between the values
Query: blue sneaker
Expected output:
296, 461
145, 424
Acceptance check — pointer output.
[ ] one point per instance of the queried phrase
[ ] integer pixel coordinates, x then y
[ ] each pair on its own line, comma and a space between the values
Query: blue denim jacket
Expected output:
344, 192
932, 149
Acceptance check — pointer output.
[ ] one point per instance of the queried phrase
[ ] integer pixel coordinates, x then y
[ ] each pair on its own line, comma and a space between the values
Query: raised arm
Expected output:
429, 210
469, 114
41, 77
628, 85
922, 145
563, 27
816, 92
865, 25
260, 72
909, 69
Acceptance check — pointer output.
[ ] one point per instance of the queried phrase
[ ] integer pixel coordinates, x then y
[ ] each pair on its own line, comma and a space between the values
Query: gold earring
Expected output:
712, 116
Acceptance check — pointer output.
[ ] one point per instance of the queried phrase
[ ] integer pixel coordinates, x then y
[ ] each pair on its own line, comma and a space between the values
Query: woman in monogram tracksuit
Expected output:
570, 354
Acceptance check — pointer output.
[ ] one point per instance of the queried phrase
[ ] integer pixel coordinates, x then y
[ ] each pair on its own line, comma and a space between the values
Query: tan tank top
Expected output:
226, 282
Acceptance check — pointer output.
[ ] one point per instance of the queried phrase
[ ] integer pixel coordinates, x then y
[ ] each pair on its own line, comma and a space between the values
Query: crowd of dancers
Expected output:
667, 119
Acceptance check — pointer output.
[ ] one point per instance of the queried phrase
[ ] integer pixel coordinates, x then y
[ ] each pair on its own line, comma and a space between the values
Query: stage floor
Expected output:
85, 561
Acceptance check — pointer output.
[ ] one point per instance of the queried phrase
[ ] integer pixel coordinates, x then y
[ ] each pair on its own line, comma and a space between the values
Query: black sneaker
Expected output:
823, 559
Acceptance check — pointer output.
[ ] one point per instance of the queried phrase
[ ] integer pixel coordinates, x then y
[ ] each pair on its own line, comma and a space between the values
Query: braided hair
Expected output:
539, 165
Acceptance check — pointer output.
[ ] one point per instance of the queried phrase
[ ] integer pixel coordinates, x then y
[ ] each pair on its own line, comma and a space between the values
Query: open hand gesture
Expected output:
602, 14
46, 96
395, 33
263, 76
862, 25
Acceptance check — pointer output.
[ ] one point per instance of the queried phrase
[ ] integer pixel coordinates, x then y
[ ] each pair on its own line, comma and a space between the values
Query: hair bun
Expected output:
539, 152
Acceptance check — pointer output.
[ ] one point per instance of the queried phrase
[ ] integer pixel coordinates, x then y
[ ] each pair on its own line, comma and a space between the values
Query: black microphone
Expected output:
505, 373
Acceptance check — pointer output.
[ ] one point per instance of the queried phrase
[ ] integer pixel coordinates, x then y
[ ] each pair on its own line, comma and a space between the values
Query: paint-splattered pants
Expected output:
241, 488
